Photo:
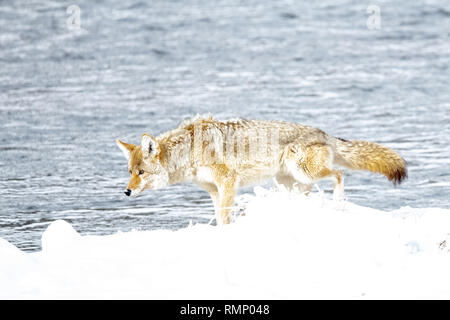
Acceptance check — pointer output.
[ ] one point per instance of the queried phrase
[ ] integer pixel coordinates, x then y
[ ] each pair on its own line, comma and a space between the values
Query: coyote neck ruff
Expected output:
222, 156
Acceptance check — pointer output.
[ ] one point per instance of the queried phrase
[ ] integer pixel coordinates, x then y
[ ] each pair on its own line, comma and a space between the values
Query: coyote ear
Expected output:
126, 148
149, 145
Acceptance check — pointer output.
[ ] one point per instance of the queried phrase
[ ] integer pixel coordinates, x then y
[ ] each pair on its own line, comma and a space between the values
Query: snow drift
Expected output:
285, 246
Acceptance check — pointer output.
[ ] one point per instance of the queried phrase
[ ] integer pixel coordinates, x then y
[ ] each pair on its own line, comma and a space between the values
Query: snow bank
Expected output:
286, 246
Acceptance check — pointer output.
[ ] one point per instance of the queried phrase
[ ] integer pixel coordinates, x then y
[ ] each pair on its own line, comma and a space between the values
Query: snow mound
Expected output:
58, 236
286, 245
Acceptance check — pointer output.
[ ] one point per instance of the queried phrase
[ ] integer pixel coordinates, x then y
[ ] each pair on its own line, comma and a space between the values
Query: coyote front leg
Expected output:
227, 192
214, 193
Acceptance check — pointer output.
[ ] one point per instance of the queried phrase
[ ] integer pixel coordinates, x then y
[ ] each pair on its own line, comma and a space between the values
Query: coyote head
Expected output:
144, 165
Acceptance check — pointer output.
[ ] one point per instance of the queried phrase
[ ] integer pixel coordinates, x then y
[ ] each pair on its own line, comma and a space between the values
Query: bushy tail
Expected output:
370, 156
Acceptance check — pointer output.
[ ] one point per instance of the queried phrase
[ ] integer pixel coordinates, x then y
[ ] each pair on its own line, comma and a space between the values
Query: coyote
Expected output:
222, 156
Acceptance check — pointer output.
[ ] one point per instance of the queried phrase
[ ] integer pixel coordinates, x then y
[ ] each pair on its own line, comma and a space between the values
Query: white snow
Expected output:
286, 246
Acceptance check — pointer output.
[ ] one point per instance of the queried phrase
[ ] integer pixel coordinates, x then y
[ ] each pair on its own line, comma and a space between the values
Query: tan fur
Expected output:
202, 150
370, 156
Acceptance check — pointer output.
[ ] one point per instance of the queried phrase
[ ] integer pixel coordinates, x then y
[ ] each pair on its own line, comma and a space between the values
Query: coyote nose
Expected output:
128, 192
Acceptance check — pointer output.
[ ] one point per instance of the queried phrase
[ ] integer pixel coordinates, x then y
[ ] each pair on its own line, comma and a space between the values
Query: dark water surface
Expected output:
144, 66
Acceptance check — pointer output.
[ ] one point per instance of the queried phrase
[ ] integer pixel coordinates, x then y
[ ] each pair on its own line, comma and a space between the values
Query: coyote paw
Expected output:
338, 194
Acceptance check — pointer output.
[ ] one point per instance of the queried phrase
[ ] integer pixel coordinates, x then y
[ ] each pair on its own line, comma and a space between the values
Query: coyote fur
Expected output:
222, 156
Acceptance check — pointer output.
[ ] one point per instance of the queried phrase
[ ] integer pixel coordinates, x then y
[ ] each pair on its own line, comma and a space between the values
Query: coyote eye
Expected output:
130, 172
141, 172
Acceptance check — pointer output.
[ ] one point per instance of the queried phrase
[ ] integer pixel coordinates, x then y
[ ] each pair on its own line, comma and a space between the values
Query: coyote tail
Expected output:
370, 156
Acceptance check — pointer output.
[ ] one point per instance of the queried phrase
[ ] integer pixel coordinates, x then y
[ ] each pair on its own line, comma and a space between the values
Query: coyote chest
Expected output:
222, 156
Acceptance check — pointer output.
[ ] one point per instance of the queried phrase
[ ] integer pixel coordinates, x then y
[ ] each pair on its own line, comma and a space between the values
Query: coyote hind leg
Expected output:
314, 163
338, 180
338, 192
319, 163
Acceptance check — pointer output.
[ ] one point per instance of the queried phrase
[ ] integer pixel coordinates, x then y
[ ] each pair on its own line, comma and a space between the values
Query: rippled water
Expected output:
138, 66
